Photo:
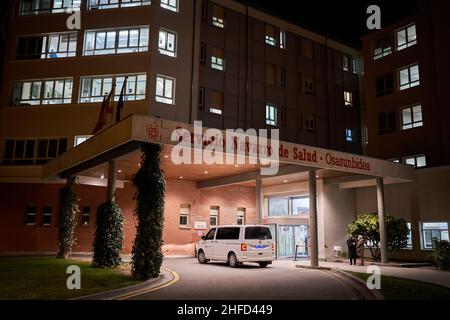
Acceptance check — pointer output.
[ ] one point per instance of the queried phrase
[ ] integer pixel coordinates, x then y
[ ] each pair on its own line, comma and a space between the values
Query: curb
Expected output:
165, 278
359, 285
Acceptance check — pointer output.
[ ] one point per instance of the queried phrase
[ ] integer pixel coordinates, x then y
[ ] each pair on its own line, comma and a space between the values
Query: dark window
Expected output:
85, 216
257, 233
204, 10
52, 148
30, 215
386, 122
385, 85
29, 151
228, 233
29, 48
42, 149
47, 216
283, 116
201, 99
210, 234
20, 148
62, 146
203, 53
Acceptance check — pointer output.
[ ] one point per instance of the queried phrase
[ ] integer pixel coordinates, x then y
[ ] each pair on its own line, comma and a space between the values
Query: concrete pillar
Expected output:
112, 176
313, 227
382, 221
259, 201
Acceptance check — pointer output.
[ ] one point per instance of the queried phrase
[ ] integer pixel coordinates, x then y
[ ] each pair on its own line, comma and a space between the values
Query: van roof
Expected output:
239, 226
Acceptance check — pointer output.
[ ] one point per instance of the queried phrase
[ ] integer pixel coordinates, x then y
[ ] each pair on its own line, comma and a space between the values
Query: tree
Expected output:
367, 226
108, 238
151, 187
68, 212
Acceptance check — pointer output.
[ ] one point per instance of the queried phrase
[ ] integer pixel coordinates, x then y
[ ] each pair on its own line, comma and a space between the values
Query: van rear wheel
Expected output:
263, 264
232, 260
201, 257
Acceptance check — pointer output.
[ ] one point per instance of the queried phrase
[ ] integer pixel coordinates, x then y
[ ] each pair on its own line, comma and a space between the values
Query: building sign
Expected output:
160, 131
200, 225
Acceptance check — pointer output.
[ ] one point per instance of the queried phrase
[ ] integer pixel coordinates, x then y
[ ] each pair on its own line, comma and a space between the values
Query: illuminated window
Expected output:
165, 89
349, 135
382, 48
111, 4
184, 215
94, 89
218, 16
348, 98
432, 231
282, 39
100, 42
170, 5
406, 37
409, 77
217, 102
42, 92
81, 139
271, 35
240, 216
409, 244
167, 44
416, 161
35, 7
271, 115
218, 59
412, 117
214, 216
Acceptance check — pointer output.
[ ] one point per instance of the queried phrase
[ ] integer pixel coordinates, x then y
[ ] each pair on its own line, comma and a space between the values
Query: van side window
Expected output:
210, 234
257, 233
228, 233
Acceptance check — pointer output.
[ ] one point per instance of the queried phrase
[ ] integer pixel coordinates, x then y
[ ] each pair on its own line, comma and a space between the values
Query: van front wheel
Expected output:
263, 264
201, 257
232, 260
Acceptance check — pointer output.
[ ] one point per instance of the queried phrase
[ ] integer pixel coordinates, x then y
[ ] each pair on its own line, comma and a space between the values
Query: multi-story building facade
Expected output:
230, 66
406, 114
221, 62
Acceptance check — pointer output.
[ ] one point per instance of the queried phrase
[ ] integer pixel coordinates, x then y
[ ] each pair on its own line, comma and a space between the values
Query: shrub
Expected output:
108, 240
367, 226
441, 254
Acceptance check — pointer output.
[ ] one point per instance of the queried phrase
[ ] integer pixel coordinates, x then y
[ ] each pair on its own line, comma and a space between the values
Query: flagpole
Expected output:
120, 103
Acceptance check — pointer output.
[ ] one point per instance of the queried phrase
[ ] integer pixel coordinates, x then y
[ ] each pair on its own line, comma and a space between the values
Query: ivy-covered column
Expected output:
151, 187
68, 213
108, 240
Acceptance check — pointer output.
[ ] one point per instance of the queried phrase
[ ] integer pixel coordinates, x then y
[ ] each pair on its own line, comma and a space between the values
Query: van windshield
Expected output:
257, 233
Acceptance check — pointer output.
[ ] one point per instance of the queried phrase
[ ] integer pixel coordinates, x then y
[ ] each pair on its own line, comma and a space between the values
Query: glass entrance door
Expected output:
289, 236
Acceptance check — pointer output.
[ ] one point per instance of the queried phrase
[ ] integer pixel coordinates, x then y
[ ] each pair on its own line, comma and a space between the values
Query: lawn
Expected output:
45, 279
405, 289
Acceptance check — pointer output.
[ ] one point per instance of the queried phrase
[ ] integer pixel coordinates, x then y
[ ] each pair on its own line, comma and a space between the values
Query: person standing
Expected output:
351, 245
360, 248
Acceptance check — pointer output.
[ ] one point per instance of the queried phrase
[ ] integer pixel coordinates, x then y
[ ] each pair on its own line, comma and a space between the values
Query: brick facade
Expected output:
17, 237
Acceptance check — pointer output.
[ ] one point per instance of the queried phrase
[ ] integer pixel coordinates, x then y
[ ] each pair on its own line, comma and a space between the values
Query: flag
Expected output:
120, 104
106, 109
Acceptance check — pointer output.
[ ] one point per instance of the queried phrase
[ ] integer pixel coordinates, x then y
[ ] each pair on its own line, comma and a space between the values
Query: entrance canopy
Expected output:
122, 140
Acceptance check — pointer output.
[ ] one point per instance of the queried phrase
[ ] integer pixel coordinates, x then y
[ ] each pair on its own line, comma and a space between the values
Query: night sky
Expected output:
343, 20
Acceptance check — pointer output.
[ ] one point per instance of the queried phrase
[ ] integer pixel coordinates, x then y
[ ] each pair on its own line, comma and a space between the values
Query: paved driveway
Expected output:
279, 281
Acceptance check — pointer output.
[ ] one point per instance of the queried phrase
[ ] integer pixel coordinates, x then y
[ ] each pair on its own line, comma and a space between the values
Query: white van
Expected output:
237, 244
